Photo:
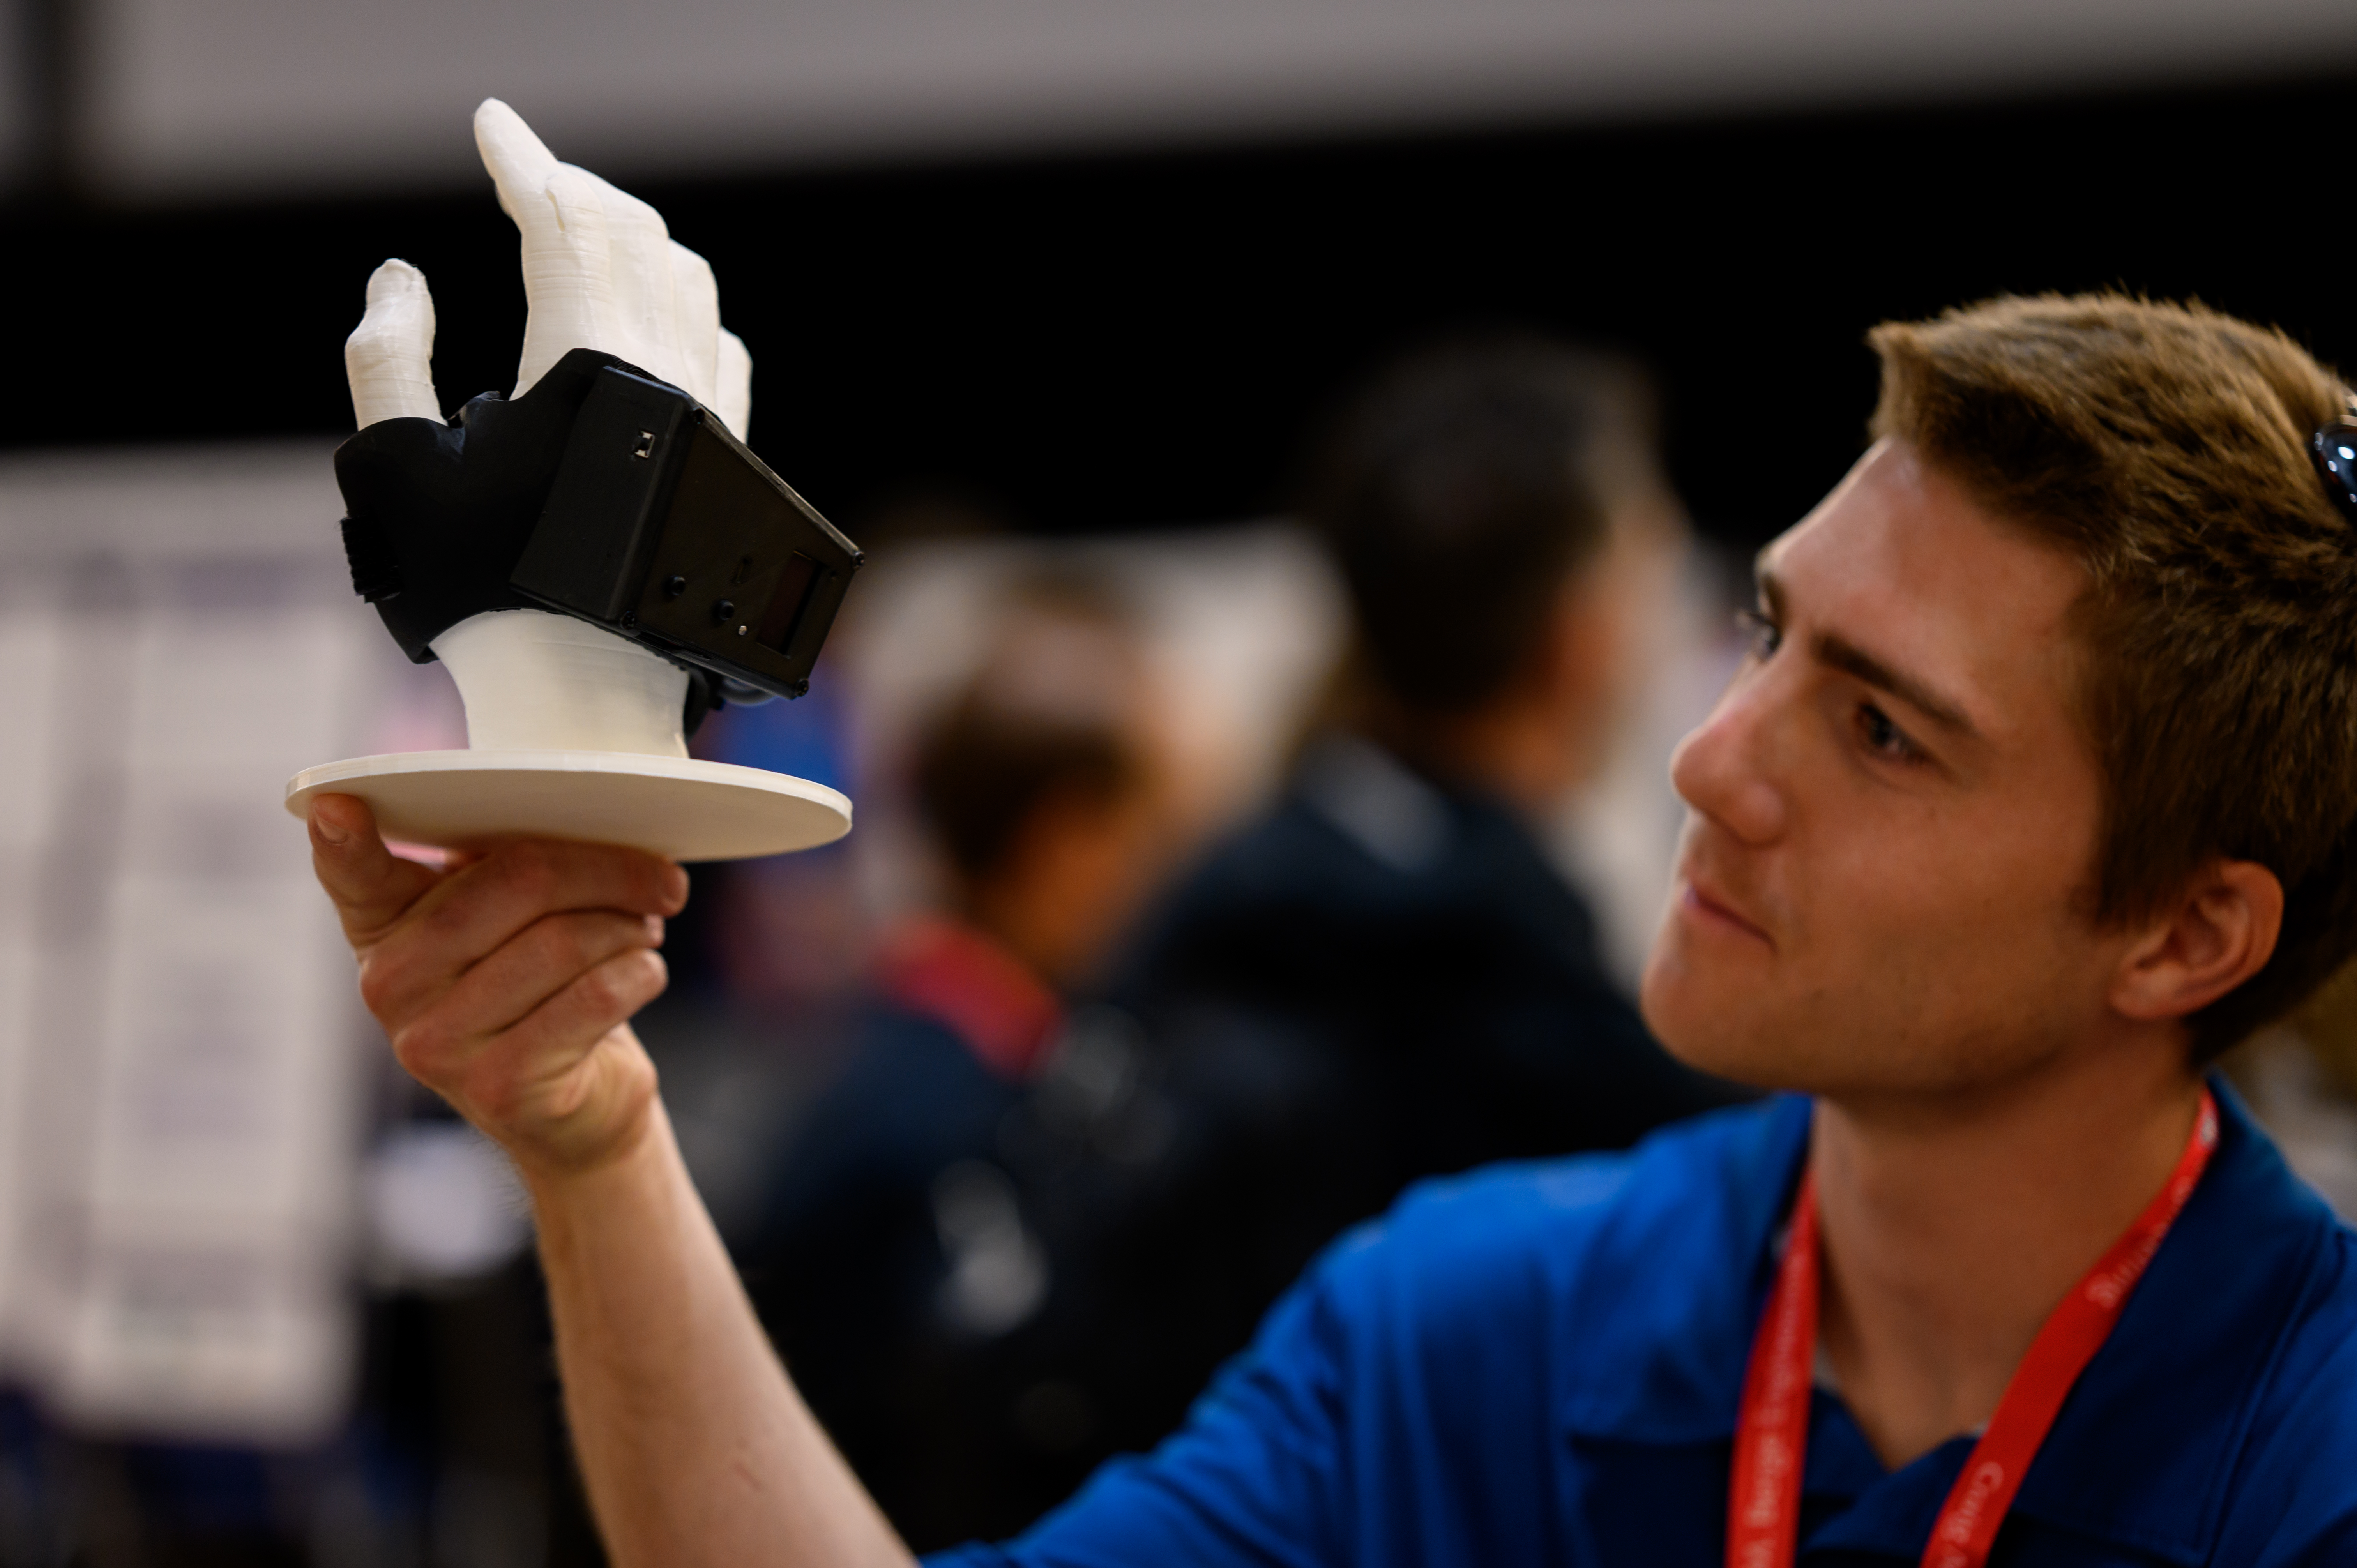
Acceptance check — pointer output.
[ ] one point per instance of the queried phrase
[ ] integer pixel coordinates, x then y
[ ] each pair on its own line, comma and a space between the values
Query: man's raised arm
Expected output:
506, 985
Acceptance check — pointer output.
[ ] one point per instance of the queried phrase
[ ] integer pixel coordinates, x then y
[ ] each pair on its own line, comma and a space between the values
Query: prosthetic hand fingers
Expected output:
732, 395
597, 261
640, 260
601, 270
520, 163
695, 302
568, 279
521, 167
388, 358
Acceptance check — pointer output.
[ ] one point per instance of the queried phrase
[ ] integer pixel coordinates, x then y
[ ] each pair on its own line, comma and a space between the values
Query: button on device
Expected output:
723, 610
674, 586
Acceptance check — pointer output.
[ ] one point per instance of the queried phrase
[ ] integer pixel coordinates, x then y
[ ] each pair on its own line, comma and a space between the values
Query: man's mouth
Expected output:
1705, 903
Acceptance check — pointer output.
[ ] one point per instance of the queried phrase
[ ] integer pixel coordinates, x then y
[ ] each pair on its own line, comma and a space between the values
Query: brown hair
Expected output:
1049, 714
2165, 448
984, 768
1460, 491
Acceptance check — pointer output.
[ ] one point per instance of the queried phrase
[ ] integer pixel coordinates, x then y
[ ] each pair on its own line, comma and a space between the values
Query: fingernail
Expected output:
655, 930
327, 828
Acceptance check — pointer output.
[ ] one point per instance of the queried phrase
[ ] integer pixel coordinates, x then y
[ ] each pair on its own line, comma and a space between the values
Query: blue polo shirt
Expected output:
1540, 1363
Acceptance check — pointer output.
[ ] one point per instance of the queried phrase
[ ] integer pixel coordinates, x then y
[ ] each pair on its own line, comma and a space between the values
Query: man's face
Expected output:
1893, 811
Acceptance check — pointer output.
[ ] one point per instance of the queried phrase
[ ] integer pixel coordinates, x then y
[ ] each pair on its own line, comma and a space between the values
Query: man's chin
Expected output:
1715, 1030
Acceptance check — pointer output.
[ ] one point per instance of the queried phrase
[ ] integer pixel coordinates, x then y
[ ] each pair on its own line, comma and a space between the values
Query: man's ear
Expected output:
2220, 931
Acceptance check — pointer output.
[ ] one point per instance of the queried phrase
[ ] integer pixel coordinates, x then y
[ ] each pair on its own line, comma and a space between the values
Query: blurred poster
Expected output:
182, 1063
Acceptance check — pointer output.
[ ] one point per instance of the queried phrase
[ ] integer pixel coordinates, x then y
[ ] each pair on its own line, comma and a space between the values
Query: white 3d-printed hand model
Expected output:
574, 731
601, 271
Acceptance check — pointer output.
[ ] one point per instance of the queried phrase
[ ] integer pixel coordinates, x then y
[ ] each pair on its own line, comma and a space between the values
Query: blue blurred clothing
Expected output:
1542, 1363
1384, 978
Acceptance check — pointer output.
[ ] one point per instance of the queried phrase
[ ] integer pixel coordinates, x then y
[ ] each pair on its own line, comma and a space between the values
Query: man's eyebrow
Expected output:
1831, 649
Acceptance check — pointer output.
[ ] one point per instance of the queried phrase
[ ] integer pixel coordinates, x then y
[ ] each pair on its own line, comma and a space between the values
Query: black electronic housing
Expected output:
664, 528
606, 495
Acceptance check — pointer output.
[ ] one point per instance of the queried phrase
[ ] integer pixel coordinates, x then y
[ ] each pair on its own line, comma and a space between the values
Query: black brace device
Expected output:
607, 495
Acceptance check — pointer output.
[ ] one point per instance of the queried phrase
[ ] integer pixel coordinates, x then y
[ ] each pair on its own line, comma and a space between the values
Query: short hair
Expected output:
1458, 493
983, 770
1051, 713
2165, 447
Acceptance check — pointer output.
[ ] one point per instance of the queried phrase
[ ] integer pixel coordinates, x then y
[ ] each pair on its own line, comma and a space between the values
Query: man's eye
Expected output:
1885, 738
1764, 635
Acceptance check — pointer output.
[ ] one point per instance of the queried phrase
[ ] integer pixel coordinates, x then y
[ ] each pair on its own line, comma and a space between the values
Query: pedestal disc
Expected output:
674, 805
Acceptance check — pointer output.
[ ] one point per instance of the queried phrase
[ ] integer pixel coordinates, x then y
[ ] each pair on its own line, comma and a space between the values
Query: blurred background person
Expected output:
893, 1260
1385, 977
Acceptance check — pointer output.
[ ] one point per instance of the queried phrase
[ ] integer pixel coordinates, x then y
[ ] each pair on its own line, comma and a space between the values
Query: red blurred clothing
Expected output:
955, 975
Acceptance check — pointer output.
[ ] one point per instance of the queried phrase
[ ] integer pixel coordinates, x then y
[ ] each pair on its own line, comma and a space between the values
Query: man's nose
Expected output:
1722, 768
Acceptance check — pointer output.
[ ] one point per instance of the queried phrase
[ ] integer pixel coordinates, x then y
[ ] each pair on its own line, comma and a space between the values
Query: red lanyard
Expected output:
1763, 1512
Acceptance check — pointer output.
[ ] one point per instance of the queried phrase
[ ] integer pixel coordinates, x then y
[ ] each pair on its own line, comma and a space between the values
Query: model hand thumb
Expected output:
388, 358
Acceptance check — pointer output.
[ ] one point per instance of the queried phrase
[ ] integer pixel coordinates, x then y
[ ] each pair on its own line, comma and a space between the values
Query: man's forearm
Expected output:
695, 1446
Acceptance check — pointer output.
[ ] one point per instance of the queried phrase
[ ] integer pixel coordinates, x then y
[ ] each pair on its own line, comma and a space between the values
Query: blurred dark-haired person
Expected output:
896, 1261
1388, 977
2036, 791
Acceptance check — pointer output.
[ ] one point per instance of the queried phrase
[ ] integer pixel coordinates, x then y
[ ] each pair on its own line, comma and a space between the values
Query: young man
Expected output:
2036, 792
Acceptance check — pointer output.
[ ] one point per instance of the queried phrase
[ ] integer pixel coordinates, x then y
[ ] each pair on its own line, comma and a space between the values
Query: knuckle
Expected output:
624, 983
564, 943
529, 870
644, 976
445, 922
377, 988
424, 1048
605, 988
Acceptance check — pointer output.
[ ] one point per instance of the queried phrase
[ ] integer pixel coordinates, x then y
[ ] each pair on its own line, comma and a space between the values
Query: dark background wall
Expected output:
1112, 342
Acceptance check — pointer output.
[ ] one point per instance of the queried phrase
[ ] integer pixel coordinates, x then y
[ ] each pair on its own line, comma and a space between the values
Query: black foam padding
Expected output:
436, 515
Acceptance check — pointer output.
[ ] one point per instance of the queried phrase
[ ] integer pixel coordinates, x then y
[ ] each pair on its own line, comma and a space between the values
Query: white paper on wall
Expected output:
182, 1059
29, 685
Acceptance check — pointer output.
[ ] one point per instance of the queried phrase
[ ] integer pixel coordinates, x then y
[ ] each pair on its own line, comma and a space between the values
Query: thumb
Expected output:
371, 885
388, 358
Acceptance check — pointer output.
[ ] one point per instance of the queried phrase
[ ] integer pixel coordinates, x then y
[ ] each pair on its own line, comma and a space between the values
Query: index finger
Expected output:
519, 162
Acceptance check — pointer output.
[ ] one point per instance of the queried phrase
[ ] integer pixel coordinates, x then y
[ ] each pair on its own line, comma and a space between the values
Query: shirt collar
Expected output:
974, 986
2144, 1448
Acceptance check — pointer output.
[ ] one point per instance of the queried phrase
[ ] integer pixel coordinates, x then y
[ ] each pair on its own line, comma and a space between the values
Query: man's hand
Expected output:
506, 983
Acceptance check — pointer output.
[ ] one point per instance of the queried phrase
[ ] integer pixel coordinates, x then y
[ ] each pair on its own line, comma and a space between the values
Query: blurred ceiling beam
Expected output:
175, 100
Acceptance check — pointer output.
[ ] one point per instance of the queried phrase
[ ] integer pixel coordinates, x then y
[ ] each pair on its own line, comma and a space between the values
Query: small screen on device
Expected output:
787, 601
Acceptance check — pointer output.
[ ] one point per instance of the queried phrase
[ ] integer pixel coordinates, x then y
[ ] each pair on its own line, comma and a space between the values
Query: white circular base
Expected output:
677, 807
